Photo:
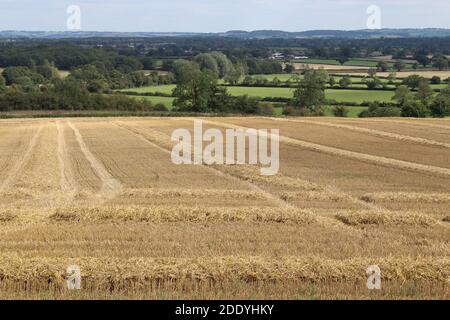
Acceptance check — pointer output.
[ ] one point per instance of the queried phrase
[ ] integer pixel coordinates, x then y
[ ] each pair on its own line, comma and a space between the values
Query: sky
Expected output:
220, 16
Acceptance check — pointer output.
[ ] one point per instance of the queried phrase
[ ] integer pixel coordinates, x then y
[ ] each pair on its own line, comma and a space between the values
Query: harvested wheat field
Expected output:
104, 195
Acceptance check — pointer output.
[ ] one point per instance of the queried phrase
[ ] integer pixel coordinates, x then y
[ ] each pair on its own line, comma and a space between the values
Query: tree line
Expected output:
198, 90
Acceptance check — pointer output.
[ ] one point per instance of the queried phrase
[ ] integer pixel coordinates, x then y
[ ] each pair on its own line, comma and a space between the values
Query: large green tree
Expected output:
413, 81
207, 61
423, 59
344, 54
382, 66
196, 89
424, 91
399, 65
224, 64
310, 92
402, 94
440, 61
440, 106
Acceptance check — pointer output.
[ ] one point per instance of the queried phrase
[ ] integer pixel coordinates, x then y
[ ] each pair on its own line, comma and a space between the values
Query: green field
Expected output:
352, 62
439, 86
261, 92
167, 89
353, 111
167, 101
281, 76
285, 77
354, 96
359, 96
64, 73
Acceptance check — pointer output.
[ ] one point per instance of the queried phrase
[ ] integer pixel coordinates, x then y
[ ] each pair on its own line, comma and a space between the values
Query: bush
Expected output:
68, 96
345, 82
341, 111
160, 107
435, 80
266, 109
440, 106
302, 112
415, 109
373, 83
289, 111
377, 109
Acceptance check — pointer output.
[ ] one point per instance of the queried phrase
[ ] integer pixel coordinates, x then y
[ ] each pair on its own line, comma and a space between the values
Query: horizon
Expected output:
226, 31
201, 16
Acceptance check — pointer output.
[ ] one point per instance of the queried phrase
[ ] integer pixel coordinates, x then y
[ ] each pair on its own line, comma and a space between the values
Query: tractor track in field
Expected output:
378, 133
111, 187
67, 180
21, 162
413, 122
252, 186
332, 189
327, 188
269, 195
389, 162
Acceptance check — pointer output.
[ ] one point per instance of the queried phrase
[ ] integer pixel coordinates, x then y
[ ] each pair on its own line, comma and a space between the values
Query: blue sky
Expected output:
224, 15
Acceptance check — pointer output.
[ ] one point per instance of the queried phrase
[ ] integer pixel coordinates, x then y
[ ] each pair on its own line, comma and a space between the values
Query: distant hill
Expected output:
258, 34
353, 34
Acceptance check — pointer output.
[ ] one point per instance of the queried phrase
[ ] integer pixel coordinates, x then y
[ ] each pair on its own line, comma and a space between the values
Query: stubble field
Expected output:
104, 195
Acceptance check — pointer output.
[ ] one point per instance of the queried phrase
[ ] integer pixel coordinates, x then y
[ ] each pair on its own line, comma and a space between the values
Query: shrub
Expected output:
266, 109
340, 111
345, 82
160, 107
440, 106
302, 112
373, 83
377, 109
415, 109
435, 80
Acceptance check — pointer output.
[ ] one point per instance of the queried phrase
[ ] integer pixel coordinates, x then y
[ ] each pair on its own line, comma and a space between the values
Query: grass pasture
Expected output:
359, 96
166, 89
356, 96
403, 74
104, 195
367, 63
167, 101
352, 62
329, 67
353, 111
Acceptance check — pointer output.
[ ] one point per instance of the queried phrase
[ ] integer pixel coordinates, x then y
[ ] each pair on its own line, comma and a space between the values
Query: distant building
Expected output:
376, 54
278, 56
